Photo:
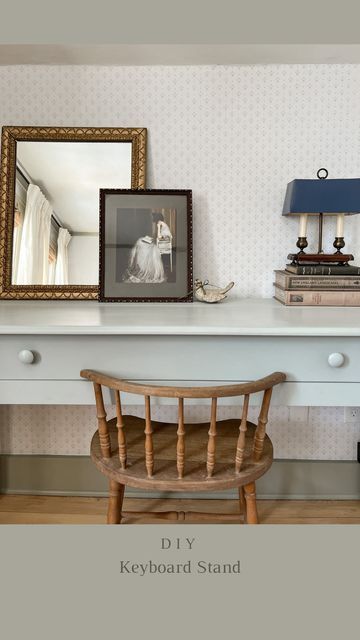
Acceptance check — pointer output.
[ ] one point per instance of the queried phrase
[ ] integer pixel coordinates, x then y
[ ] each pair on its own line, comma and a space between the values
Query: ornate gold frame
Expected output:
10, 136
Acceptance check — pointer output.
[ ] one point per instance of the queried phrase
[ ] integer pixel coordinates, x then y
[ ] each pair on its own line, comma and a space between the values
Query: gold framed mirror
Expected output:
49, 205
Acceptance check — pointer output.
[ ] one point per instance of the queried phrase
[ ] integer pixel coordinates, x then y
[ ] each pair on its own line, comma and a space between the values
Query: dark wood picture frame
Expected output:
151, 213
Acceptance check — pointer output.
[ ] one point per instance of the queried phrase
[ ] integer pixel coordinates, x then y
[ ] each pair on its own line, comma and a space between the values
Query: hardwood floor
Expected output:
27, 509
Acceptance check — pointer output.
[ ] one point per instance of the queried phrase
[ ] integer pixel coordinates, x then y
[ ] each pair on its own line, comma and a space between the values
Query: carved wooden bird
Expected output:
206, 292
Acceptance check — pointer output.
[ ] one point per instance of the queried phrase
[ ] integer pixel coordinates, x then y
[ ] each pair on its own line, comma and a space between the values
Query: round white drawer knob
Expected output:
336, 359
26, 357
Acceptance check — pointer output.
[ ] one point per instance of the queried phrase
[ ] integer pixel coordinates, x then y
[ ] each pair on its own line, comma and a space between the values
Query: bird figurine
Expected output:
206, 292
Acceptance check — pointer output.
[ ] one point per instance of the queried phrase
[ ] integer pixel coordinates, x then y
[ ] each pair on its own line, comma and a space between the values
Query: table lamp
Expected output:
322, 197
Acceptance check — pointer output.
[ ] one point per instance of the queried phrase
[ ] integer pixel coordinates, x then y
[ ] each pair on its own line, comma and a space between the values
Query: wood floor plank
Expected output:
51, 518
27, 509
52, 504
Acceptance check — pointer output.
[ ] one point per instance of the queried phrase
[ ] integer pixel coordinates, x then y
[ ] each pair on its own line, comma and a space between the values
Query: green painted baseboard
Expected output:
77, 476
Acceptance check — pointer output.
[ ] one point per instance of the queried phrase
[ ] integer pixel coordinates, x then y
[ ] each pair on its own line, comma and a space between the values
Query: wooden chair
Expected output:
214, 456
165, 248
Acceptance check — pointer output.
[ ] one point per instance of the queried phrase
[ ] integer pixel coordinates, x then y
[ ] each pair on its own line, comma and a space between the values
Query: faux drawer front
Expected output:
180, 357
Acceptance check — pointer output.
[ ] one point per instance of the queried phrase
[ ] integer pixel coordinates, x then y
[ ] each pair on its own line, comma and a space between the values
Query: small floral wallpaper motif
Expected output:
321, 434
235, 135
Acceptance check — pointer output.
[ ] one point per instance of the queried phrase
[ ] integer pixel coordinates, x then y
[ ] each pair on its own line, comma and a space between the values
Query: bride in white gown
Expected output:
145, 263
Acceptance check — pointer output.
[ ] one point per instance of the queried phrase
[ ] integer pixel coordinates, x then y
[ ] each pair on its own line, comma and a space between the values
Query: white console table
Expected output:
236, 340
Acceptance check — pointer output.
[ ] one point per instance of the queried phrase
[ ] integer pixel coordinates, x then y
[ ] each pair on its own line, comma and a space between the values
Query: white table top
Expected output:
243, 317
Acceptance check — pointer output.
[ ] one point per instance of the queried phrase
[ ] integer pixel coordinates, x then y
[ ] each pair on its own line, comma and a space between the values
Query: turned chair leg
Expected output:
250, 499
242, 502
116, 496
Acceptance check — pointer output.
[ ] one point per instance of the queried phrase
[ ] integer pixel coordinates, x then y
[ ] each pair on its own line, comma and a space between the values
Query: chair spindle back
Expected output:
180, 446
246, 389
121, 433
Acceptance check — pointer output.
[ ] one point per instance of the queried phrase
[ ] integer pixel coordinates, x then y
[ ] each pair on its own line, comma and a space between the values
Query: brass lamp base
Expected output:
339, 244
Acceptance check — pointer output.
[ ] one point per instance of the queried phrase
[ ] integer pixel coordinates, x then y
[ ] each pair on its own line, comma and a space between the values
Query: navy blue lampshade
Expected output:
322, 196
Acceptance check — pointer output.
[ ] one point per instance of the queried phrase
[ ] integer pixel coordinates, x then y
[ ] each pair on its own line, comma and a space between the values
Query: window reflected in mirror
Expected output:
56, 212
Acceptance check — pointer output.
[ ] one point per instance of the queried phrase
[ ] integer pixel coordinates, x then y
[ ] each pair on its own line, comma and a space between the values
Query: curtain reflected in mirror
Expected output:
49, 205
56, 220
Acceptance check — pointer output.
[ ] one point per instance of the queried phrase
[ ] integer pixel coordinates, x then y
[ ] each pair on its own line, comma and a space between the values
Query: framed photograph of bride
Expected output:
145, 245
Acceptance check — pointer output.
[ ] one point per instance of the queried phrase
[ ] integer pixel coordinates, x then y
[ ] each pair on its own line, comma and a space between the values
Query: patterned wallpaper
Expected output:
235, 135
317, 433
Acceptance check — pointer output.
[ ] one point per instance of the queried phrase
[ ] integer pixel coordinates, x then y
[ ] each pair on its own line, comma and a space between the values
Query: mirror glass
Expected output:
56, 211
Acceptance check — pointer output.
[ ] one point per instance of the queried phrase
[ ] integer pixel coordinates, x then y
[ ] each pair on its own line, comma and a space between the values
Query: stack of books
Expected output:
318, 285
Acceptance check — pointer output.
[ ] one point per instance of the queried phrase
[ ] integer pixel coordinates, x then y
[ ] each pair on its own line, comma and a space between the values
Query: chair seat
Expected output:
165, 471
